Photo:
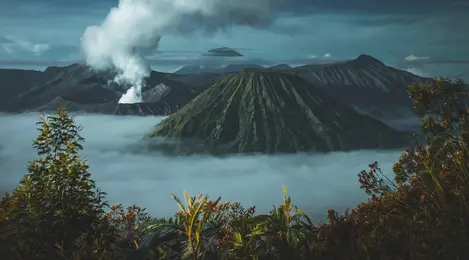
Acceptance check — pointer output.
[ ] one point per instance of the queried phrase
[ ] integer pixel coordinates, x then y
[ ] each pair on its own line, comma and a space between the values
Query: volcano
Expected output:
261, 111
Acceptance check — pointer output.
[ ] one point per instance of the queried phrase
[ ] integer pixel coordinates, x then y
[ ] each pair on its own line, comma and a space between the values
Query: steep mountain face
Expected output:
365, 84
270, 112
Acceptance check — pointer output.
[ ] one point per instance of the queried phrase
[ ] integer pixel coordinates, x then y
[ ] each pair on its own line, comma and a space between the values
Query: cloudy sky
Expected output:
427, 37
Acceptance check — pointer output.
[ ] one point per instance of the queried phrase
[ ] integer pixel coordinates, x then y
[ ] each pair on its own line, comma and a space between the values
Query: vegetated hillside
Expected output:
269, 112
366, 84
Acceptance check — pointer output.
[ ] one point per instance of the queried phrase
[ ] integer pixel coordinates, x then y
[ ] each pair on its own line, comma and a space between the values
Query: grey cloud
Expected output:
45, 63
16, 47
386, 6
422, 61
372, 6
435, 66
386, 19
21, 51
3, 39
244, 15
147, 179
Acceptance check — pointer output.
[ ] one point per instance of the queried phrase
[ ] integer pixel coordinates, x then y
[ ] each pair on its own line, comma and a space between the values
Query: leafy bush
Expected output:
57, 213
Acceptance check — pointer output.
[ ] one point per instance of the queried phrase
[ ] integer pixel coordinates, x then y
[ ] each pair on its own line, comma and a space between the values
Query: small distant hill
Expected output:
223, 52
270, 112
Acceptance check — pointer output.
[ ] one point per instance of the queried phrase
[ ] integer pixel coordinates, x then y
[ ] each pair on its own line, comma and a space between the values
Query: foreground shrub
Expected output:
56, 204
56, 212
423, 213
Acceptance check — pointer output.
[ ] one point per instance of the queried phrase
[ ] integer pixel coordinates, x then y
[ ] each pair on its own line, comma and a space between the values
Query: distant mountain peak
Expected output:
365, 58
222, 52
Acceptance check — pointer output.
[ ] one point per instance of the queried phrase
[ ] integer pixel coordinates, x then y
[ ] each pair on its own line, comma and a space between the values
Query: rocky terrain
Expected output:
263, 111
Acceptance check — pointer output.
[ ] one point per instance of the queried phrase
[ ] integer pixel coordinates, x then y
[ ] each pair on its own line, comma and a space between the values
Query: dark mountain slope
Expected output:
83, 89
15, 81
268, 112
75, 83
365, 84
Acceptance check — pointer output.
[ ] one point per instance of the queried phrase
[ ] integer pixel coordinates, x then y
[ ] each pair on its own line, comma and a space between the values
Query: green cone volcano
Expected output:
270, 112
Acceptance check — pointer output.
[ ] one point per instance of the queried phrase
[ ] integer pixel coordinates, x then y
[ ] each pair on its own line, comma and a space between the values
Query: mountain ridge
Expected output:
83, 87
364, 84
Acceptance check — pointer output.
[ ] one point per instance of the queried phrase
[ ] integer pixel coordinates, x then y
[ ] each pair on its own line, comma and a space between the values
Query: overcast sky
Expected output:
424, 36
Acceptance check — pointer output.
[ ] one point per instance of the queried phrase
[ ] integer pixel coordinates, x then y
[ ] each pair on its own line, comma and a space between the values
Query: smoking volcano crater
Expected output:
144, 103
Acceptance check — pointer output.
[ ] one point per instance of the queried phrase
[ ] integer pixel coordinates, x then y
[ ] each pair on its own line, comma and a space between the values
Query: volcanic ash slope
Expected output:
272, 112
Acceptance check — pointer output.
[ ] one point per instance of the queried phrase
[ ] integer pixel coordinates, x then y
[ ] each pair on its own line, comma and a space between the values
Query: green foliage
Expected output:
56, 203
56, 212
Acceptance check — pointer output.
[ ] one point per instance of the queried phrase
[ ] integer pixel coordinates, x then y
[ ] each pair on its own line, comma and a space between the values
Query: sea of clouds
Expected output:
315, 182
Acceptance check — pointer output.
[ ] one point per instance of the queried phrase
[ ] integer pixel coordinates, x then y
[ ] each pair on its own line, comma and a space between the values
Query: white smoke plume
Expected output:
133, 29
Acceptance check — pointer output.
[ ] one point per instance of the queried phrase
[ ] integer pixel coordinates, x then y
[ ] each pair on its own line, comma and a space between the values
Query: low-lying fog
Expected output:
315, 182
